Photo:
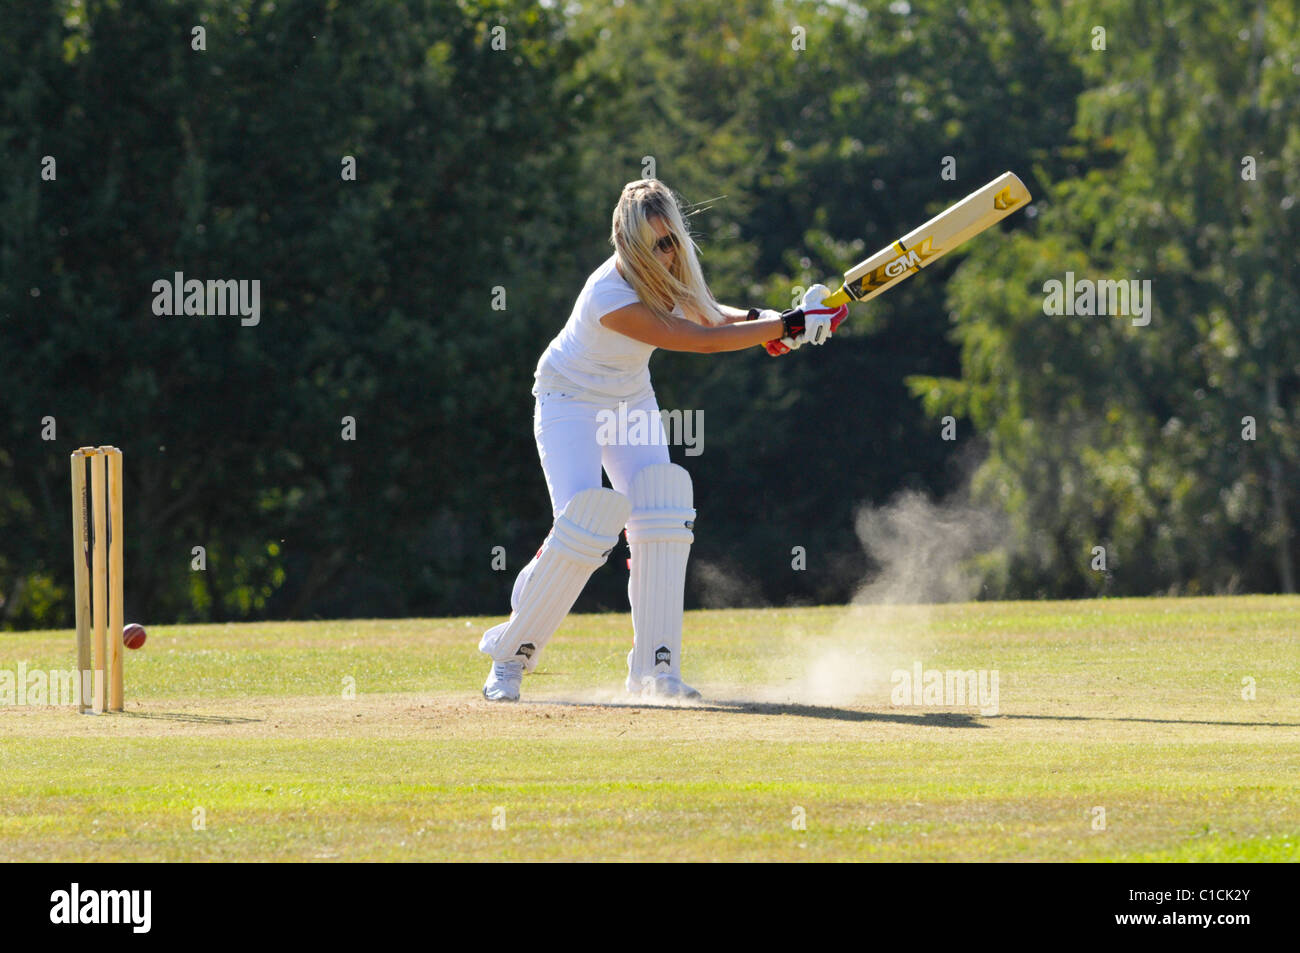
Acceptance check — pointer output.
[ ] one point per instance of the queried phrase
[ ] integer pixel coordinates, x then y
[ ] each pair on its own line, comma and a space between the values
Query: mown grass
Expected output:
369, 741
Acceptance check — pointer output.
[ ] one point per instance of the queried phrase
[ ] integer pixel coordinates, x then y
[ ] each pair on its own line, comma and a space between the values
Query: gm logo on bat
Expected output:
907, 262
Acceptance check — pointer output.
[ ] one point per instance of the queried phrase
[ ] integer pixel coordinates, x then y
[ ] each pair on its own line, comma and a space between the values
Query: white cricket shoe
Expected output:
503, 680
665, 686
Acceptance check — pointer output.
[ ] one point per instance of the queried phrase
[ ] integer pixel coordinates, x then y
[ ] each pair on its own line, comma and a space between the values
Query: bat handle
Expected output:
837, 298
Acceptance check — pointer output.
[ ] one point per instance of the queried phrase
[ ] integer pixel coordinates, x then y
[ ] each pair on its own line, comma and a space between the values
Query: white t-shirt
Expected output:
587, 359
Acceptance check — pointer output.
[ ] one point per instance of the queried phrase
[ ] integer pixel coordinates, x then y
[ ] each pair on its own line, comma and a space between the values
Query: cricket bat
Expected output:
933, 240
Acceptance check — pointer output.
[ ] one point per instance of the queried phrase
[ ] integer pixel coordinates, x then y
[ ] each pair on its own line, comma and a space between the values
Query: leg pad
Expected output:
659, 536
580, 541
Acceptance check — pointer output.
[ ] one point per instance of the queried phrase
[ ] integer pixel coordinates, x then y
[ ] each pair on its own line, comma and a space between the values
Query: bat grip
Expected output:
836, 299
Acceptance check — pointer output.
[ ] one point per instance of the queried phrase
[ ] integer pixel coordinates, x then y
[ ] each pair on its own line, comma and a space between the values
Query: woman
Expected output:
649, 294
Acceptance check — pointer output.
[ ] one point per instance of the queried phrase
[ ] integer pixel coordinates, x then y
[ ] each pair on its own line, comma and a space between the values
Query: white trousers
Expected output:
569, 443
567, 431
575, 439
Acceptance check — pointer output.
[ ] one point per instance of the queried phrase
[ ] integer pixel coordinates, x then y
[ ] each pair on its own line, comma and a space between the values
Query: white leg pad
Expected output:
659, 537
522, 580
581, 539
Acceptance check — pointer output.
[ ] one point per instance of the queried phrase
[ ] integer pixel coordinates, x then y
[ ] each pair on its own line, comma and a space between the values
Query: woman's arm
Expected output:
677, 334
729, 314
732, 315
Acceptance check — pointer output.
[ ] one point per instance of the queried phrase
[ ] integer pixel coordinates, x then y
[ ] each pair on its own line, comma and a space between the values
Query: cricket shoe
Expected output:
503, 680
665, 686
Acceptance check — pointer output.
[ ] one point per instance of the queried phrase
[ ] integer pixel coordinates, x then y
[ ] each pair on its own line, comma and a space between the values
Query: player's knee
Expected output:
662, 499
589, 526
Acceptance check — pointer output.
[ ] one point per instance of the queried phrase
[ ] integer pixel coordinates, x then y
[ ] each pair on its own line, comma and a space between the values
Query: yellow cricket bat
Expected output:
933, 240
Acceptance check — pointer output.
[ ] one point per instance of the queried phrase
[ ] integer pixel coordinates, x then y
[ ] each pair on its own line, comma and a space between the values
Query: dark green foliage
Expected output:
1106, 434
481, 169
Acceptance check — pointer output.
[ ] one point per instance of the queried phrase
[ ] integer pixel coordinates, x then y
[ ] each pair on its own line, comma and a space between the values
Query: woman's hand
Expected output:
810, 323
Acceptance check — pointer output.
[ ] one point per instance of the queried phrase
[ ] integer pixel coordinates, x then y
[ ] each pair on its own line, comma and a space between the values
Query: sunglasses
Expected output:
667, 243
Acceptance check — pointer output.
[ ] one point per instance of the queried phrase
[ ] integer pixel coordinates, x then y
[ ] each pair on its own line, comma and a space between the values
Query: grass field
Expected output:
246, 742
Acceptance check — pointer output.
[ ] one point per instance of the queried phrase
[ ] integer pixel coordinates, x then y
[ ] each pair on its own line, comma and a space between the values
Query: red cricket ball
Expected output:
133, 635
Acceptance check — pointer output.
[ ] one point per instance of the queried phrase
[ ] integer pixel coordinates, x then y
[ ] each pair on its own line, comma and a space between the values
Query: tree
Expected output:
1103, 433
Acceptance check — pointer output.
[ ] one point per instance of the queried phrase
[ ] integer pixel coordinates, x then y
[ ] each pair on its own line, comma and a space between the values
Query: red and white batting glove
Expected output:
813, 309
811, 323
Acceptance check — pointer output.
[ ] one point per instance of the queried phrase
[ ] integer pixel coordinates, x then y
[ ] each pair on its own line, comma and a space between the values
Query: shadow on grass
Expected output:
947, 719
924, 720
185, 716
1158, 721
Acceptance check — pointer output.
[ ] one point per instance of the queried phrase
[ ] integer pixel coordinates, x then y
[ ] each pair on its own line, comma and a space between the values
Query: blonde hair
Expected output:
633, 238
